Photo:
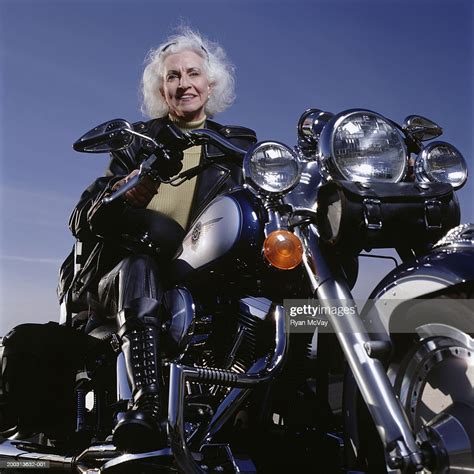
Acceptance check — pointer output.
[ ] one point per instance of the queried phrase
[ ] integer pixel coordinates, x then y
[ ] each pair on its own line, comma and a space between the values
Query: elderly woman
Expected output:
187, 80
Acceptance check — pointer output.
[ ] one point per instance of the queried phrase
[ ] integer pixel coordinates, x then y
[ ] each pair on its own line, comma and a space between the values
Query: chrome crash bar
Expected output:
262, 371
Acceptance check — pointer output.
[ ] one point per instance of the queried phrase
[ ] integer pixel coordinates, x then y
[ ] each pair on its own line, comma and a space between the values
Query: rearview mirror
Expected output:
113, 135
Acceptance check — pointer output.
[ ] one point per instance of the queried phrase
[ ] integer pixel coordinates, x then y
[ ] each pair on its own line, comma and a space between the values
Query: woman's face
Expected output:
186, 87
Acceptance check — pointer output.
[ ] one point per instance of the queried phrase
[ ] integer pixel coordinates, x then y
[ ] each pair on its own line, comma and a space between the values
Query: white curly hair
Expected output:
219, 70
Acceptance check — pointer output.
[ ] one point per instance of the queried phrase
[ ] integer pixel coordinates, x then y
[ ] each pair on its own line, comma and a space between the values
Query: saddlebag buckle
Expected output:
433, 214
372, 214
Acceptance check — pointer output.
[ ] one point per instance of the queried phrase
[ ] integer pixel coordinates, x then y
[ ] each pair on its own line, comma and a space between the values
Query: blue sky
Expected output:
66, 66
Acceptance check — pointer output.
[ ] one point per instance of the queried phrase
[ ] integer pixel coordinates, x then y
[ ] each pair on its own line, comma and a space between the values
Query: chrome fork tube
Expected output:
374, 385
261, 371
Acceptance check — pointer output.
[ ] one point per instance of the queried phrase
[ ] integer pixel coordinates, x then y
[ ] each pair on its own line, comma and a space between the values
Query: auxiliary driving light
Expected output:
271, 168
443, 163
283, 250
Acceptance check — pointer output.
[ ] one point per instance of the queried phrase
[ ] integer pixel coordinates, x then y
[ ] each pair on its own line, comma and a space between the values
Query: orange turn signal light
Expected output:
283, 249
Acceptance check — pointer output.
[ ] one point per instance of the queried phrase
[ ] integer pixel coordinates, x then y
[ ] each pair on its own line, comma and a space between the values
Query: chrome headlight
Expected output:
442, 163
360, 145
271, 168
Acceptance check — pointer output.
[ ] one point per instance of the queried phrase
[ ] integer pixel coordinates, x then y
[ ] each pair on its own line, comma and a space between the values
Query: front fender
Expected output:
434, 273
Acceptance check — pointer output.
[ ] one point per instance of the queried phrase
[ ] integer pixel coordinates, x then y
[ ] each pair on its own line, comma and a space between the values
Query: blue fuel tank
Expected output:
224, 241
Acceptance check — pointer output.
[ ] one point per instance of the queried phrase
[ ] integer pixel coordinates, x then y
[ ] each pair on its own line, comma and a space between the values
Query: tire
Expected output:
432, 371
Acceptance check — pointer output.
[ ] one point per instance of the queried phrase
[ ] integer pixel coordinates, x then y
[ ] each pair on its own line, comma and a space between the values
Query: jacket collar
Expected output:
154, 125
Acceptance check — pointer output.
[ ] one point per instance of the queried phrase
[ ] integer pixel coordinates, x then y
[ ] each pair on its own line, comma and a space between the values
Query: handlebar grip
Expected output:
122, 190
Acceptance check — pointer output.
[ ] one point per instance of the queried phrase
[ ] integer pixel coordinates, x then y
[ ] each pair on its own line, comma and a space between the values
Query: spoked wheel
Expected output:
434, 380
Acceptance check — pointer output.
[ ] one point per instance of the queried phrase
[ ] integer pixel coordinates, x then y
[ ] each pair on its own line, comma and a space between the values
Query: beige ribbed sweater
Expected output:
176, 201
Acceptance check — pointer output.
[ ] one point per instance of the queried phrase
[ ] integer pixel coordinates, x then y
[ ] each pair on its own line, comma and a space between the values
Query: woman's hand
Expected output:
141, 194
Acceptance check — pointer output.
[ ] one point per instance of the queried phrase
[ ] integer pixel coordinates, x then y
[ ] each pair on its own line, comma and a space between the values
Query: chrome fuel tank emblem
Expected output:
196, 232
213, 234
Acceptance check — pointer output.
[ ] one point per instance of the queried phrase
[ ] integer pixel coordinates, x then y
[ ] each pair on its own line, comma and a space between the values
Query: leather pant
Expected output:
133, 291
135, 278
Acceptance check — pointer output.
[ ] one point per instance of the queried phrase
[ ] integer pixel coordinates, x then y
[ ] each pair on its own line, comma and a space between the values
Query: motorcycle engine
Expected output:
236, 335
251, 339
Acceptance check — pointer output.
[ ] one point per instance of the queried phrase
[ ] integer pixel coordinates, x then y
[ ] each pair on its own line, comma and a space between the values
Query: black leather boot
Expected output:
140, 428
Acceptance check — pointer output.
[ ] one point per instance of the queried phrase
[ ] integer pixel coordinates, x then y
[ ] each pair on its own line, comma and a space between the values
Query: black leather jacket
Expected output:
93, 223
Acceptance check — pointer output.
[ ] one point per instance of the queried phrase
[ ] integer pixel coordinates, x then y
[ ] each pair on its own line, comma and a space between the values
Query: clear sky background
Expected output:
66, 66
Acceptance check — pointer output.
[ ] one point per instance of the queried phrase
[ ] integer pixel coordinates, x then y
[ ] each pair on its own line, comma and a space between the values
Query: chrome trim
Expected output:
449, 441
180, 305
258, 307
93, 458
437, 329
329, 168
458, 237
123, 459
310, 126
263, 371
306, 192
273, 221
421, 128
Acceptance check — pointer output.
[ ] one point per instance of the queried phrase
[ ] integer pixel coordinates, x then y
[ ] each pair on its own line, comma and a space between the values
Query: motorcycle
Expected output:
261, 322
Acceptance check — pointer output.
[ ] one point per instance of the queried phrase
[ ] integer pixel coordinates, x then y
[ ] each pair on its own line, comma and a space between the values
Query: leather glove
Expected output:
141, 194
169, 168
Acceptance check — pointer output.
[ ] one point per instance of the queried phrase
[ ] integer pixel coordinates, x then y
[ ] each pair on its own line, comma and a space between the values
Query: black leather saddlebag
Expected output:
355, 216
